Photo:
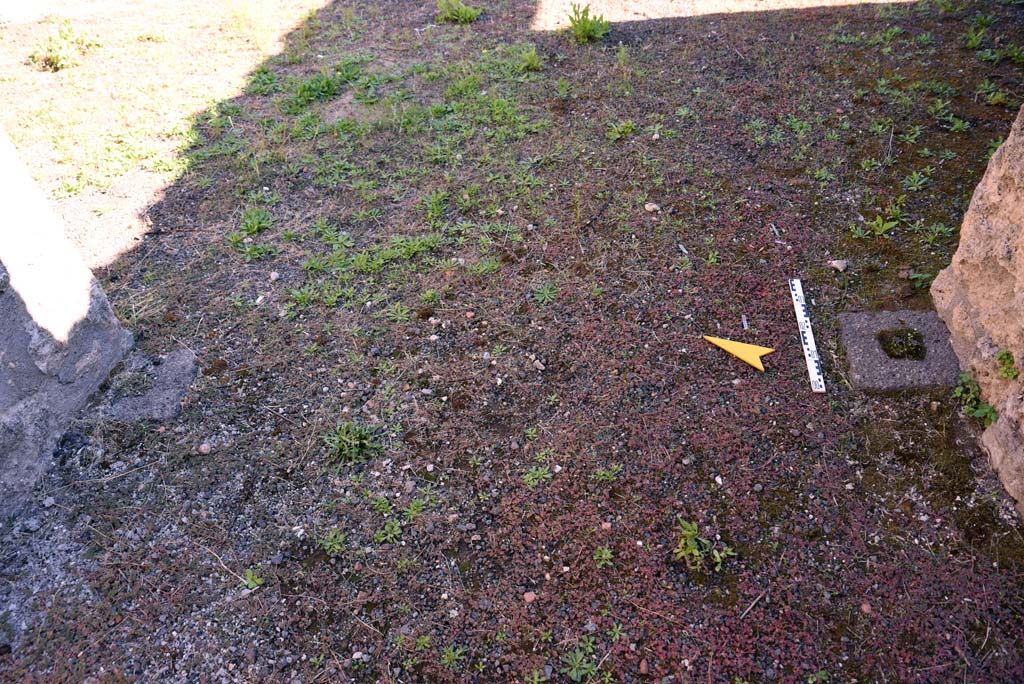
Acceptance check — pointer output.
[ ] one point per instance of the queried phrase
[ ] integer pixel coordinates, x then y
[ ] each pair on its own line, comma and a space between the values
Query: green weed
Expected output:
253, 579
880, 226
452, 656
585, 27
695, 550
1007, 368
536, 475
968, 393
62, 49
390, 534
607, 475
456, 12
351, 442
333, 542
530, 60
546, 294
264, 82
578, 665
621, 129
256, 220
415, 509
398, 313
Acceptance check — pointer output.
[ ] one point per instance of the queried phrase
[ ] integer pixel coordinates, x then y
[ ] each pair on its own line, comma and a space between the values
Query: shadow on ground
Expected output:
447, 285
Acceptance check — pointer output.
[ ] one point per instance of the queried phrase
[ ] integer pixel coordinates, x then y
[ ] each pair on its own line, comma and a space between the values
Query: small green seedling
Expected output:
334, 542
537, 474
546, 294
391, 533
253, 580
880, 226
1007, 368
452, 656
694, 550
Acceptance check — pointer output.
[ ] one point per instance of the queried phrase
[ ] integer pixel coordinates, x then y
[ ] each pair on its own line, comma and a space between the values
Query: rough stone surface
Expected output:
59, 339
150, 388
43, 383
872, 370
981, 298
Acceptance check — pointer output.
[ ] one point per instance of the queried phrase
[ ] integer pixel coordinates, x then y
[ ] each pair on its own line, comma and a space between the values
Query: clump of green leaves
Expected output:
264, 82
256, 220
587, 28
391, 533
351, 442
1007, 368
325, 85
452, 656
607, 475
415, 509
603, 557
621, 129
62, 49
333, 542
880, 225
253, 580
969, 394
546, 294
537, 474
530, 60
457, 12
579, 665
695, 550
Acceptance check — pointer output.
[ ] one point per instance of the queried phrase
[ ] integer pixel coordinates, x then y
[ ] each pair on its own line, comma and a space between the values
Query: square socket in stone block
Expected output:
891, 351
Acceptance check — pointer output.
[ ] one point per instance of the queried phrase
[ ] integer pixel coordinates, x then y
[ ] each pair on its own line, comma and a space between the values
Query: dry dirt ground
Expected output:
456, 422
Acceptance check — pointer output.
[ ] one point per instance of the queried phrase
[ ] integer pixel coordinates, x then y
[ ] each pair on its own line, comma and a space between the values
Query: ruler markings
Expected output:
803, 320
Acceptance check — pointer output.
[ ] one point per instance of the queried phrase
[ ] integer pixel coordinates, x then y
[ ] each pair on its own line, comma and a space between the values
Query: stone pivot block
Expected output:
874, 370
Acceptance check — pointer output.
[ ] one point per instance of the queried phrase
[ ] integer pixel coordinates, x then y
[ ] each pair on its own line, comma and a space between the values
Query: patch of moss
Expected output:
902, 343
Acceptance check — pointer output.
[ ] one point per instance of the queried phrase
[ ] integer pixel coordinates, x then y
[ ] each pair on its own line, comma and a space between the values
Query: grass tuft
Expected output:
587, 28
62, 49
457, 12
351, 442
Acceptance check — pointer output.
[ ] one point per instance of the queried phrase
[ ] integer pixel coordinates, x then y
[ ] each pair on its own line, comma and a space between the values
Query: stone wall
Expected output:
981, 298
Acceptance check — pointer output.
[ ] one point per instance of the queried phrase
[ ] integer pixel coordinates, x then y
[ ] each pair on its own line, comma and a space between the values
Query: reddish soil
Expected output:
872, 543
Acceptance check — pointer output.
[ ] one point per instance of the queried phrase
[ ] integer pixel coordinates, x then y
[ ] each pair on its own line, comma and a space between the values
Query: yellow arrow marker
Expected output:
751, 353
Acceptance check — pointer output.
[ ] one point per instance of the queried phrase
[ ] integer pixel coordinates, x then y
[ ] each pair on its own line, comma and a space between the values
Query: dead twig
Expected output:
753, 603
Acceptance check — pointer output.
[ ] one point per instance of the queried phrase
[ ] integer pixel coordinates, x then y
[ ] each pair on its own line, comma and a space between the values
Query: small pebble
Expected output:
758, 487
205, 448
606, 526
651, 207
529, 597
48, 502
644, 667
274, 275
839, 264
865, 608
